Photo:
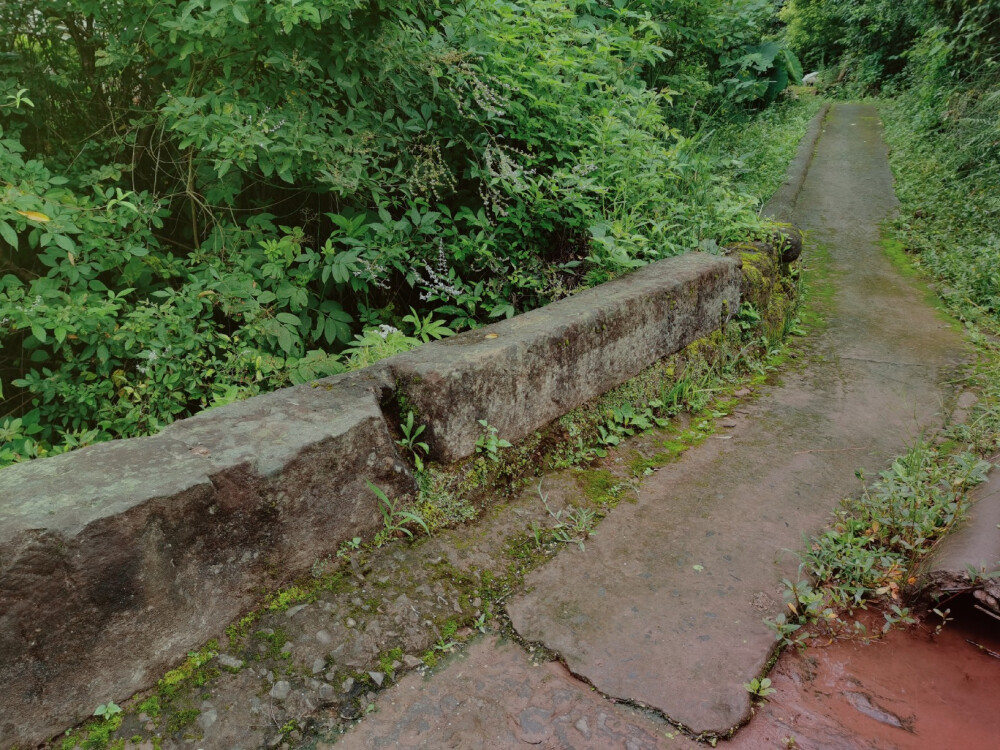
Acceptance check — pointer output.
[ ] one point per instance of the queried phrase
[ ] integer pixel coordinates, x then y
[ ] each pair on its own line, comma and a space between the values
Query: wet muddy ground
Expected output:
916, 688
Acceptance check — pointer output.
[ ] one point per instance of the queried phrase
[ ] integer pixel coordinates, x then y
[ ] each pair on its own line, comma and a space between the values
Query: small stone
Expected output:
143, 717
728, 423
477, 602
287, 648
292, 611
281, 690
348, 684
207, 718
351, 622
229, 661
318, 665
742, 392
377, 677
582, 728
412, 661
324, 637
331, 675
326, 692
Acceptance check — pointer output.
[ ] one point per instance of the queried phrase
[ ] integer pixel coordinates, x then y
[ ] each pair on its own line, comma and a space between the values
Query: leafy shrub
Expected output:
204, 201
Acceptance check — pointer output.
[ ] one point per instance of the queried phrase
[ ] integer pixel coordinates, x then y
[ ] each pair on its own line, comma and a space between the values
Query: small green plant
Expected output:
945, 619
572, 525
787, 633
395, 518
480, 622
427, 328
759, 688
625, 420
348, 547
107, 711
537, 534
411, 440
444, 645
490, 443
896, 616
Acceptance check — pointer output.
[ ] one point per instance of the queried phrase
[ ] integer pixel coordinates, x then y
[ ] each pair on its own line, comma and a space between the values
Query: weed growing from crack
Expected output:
396, 519
759, 687
489, 443
572, 525
411, 440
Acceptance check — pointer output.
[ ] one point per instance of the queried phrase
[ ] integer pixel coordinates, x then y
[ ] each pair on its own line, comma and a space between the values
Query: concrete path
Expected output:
664, 608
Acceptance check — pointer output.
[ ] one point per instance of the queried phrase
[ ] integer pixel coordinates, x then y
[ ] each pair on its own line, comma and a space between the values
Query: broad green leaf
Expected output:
9, 235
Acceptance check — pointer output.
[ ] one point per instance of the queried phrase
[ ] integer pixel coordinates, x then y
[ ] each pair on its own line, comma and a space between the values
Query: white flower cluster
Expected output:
501, 165
151, 356
438, 282
430, 172
488, 93
262, 122
373, 272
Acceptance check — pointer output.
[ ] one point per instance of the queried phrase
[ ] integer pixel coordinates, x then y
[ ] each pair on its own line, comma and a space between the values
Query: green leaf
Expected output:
336, 330
793, 66
285, 340
288, 319
9, 235
38, 332
64, 242
240, 14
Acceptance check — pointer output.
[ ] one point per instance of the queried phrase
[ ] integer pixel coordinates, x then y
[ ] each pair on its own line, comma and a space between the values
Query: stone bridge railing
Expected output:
117, 559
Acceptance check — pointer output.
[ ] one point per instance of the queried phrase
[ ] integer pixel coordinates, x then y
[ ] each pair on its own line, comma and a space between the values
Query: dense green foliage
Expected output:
883, 44
203, 199
941, 62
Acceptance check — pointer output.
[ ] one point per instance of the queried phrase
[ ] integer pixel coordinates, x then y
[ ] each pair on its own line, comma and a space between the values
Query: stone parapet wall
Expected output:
117, 559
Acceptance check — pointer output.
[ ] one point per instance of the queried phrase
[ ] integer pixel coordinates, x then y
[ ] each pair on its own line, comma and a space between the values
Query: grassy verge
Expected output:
756, 151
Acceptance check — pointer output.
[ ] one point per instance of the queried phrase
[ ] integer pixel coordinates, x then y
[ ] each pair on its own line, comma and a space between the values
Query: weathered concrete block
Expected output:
117, 559
524, 372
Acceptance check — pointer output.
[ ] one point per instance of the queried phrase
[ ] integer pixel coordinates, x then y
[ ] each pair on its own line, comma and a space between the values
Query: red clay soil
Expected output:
911, 689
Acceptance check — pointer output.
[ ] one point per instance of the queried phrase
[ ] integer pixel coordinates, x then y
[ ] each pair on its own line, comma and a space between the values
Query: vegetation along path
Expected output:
663, 609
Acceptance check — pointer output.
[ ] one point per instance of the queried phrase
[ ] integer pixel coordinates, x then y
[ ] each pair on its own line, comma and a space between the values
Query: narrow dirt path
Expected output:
664, 608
